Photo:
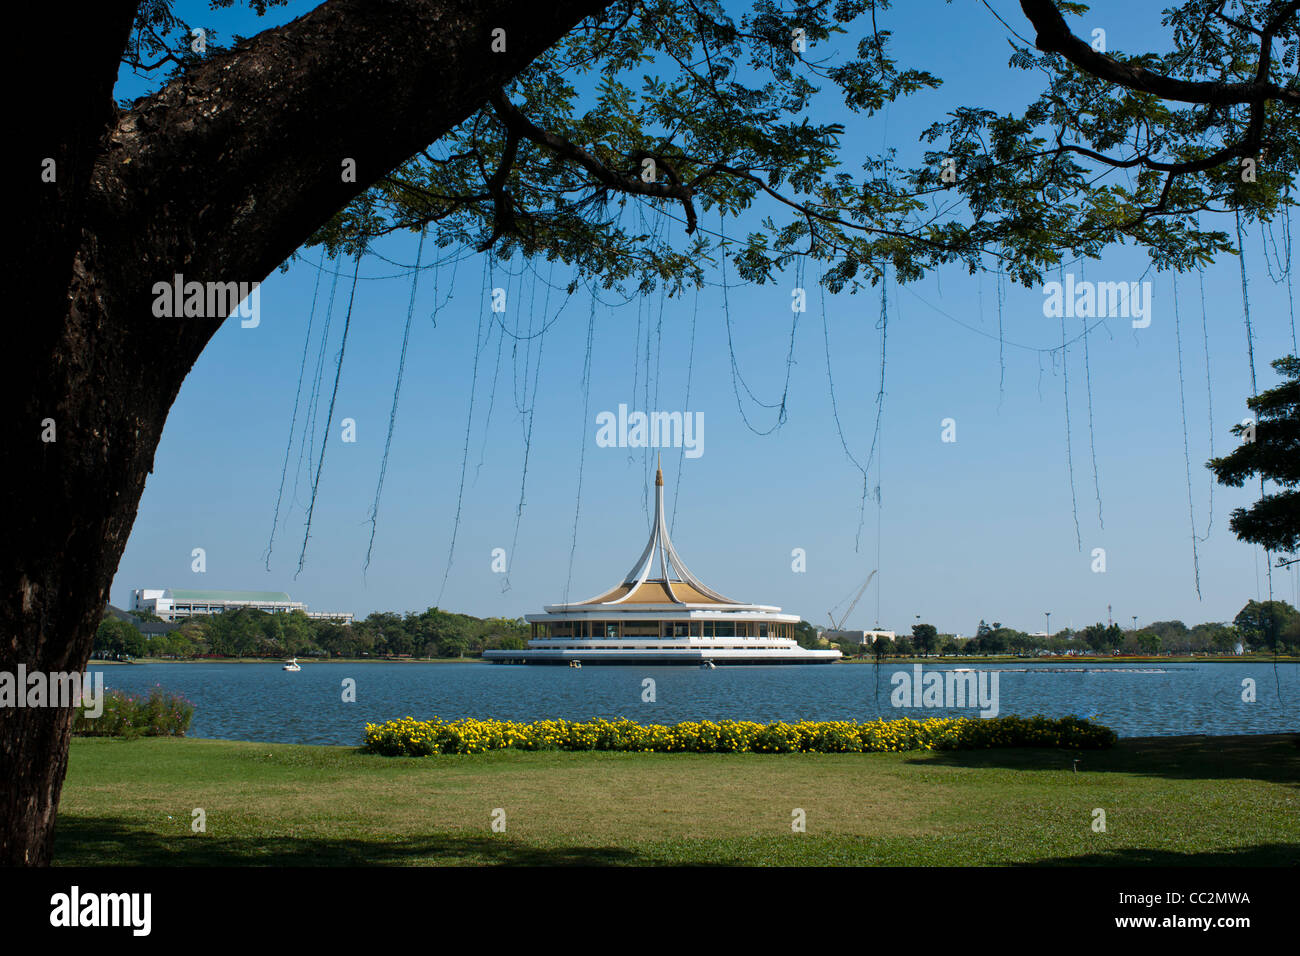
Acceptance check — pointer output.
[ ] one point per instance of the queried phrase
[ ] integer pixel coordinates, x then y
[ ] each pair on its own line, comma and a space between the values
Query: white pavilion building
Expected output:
673, 618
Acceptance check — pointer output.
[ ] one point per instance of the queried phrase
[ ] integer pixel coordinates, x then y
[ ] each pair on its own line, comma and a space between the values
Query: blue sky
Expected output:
979, 528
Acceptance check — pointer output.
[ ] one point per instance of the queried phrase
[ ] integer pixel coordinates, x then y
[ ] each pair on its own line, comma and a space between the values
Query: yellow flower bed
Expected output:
407, 736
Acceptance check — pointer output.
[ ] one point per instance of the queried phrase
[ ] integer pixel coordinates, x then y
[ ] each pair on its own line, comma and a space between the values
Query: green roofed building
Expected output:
172, 604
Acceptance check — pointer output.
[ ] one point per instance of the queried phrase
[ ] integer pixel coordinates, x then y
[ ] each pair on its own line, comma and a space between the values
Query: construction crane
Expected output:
845, 616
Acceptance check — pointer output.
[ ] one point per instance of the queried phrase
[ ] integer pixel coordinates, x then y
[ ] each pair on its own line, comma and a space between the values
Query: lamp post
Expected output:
1048, 615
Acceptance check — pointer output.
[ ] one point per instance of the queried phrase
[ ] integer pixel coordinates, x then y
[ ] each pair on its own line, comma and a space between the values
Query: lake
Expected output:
264, 703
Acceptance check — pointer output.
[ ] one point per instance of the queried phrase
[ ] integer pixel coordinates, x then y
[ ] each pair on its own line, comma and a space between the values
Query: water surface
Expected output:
262, 702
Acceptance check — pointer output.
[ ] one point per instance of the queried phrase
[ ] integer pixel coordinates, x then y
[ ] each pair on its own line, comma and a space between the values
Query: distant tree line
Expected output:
1267, 626
1260, 626
248, 632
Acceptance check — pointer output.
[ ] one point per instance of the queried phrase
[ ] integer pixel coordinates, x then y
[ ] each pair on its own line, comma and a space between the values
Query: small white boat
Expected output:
292, 665
575, 663
708, 665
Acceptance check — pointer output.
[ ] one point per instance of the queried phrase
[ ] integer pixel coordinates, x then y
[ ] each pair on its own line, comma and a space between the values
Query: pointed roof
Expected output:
675, 583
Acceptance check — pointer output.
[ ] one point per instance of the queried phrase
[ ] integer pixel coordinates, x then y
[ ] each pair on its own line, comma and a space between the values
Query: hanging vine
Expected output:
293, 420
883, 325
329, 417
835, 413
1187, 455
397, 390
1092, 433
1209, 398
736, 375
307, 444
1069, 449
488, 273
582, 444
690, 370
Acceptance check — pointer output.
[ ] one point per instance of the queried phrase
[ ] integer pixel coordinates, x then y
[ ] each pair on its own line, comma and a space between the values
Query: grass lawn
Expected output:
1170, 801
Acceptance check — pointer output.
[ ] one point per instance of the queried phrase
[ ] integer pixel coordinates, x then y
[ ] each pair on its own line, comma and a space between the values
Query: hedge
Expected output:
421, 738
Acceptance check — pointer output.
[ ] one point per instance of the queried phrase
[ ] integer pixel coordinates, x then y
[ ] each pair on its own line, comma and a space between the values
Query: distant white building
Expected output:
172, 604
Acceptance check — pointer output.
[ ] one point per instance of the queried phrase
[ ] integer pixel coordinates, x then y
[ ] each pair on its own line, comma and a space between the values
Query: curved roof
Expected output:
675, 583
656, 591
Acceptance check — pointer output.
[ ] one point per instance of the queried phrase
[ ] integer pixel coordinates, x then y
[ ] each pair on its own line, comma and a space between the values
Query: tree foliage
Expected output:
1103, 638
1271, 451
926, 638
118, 638
690, 108
1268, 624
248, 632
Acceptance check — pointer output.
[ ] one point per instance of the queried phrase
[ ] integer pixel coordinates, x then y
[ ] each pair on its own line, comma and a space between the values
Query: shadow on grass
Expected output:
1274, 758
92, 841
1265, 854
85, 841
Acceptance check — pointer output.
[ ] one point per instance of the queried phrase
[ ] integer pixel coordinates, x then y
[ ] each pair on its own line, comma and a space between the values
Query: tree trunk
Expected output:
219, 176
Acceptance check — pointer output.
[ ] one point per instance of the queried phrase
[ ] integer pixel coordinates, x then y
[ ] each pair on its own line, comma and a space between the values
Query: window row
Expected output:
624, 630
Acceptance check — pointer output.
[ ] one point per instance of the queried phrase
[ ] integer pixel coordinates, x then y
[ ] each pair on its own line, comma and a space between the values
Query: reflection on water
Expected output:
262, 702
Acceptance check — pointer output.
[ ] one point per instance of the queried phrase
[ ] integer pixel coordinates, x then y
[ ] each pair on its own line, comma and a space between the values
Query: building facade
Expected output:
175, 604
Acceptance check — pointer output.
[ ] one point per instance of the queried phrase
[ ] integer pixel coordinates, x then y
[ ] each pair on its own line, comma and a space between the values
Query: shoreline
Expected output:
998, 659
281, 660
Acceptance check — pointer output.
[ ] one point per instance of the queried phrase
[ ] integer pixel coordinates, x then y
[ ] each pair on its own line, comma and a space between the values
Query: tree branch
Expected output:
254, 168
1054, 36
517, 122
503, 209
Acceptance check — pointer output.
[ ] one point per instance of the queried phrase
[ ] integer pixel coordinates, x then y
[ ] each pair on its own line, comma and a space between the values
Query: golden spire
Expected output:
659, 471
